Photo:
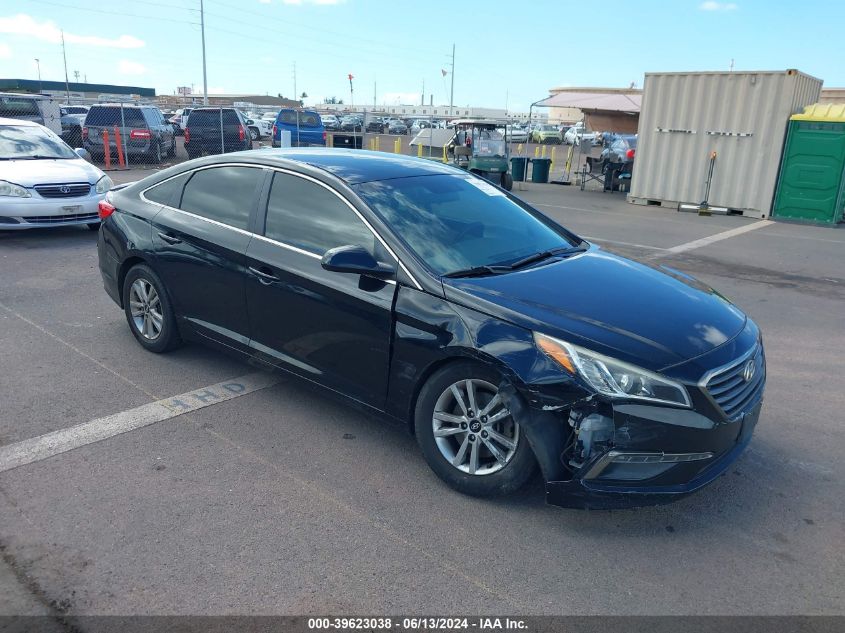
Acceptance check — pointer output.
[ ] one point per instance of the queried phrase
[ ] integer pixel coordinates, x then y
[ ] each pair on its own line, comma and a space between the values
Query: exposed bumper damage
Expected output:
598, 454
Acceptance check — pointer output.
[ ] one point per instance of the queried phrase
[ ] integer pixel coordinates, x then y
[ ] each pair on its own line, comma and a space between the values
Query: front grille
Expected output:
55, 219
65, 190
730, 388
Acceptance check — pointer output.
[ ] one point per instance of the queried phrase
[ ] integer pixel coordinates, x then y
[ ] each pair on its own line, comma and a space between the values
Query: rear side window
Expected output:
223, 194
168, 192
16, 106
309, 216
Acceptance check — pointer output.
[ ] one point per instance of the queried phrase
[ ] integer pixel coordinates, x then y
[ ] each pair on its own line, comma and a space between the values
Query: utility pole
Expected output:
375, 102
452, 91
38, 66
64, 55
732, 64
76, 75
204, 77
295, 93
422, 94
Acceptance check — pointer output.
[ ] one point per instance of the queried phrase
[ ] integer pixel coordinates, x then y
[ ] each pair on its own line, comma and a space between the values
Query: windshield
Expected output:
26, 142
456, 222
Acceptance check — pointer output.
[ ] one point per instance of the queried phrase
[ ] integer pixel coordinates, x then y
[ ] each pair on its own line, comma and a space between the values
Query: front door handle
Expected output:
264, 276
169, 238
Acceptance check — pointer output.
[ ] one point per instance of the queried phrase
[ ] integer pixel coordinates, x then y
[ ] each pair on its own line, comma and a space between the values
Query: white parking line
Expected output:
50, 444
718, 237
618, 243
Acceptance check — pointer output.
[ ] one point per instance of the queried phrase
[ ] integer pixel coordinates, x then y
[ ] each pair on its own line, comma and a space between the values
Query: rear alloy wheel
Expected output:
253, 133
148, 310
155, 153
468, 436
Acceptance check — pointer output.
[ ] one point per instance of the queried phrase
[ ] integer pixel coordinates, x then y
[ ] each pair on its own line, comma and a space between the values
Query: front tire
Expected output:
468, 436
507, 181
148, 310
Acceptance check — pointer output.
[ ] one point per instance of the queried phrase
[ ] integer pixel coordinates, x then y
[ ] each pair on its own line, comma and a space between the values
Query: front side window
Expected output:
455, 222
310, 217
223, 194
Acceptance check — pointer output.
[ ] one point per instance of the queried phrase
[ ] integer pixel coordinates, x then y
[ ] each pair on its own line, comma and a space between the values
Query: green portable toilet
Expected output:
811, 187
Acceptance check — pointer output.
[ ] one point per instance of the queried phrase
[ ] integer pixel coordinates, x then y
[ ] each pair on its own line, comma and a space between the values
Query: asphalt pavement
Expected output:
284, 500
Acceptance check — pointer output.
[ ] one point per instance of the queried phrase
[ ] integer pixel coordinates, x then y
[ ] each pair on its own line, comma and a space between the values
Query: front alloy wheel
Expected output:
467, 435
473, 429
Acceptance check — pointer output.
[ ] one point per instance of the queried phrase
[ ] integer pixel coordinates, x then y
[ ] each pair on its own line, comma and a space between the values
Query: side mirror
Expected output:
83, 153
250, 122
356, 260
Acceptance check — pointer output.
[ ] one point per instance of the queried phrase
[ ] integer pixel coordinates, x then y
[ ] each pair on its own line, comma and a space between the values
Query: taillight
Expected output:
85, 132
274, 130
630, 153
187, 135
324, 135
140, 134
241, 133
104, 209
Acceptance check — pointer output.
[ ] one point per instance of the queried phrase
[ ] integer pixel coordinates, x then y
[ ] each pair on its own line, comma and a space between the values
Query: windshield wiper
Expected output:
478, 271
541, 255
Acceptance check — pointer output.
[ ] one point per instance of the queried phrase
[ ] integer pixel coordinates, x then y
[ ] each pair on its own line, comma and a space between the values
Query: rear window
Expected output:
15, 107
306, 119
212, 117
112, 115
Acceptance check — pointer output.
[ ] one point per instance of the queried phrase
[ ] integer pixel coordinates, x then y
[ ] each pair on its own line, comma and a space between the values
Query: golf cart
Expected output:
479, 147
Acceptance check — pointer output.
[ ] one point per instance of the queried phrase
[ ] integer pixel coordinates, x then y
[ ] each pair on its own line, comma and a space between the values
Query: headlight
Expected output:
104, 184
612, 377
12, 190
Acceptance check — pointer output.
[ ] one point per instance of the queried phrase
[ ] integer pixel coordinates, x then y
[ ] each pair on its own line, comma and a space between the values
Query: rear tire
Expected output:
507, 181
155, 154
149, 311
172, 151
253, 133
463, 453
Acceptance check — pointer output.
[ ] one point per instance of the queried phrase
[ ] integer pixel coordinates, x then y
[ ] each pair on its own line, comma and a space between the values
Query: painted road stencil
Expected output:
44, 446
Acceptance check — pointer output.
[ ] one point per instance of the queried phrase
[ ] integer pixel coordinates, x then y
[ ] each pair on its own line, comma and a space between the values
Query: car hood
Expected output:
653, 317
28, 173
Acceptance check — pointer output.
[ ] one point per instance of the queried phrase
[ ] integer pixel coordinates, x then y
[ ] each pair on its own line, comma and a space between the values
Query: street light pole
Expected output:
204, 77
452, 91
64, 55
38, 66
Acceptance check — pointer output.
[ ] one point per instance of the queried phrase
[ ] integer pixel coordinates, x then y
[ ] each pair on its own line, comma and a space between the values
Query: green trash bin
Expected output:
540, 169
518, 165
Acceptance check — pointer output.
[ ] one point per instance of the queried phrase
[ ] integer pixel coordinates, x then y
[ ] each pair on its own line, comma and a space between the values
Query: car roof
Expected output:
5, 121
352, 166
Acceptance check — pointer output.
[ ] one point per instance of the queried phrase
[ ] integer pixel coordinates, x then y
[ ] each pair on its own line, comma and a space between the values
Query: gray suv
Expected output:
143, 131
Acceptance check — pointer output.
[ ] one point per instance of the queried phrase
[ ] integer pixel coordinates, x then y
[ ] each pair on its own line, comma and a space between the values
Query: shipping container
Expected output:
741, 116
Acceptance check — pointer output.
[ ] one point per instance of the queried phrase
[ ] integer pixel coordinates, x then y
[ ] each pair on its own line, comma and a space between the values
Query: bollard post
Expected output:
552, 164
378, 143
444, 155
419, 150
519, 149
537, 152
121, 159
106, 149
329, 140
397, 146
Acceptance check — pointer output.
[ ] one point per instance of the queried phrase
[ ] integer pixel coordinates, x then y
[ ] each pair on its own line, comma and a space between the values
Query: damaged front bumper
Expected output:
596, 453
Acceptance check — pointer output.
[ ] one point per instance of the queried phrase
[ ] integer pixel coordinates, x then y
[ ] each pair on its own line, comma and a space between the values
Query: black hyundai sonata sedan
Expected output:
428, 295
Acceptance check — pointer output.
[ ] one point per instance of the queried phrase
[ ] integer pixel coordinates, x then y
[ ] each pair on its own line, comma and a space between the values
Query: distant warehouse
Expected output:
77, 90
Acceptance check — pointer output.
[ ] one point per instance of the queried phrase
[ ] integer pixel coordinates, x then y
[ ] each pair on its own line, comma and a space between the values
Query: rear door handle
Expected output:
169, 238
263, 276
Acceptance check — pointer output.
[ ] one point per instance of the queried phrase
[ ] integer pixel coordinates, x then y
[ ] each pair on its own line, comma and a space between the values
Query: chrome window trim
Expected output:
269, 239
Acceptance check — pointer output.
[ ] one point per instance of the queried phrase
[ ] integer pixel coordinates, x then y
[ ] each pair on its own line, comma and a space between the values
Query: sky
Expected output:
507, 54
